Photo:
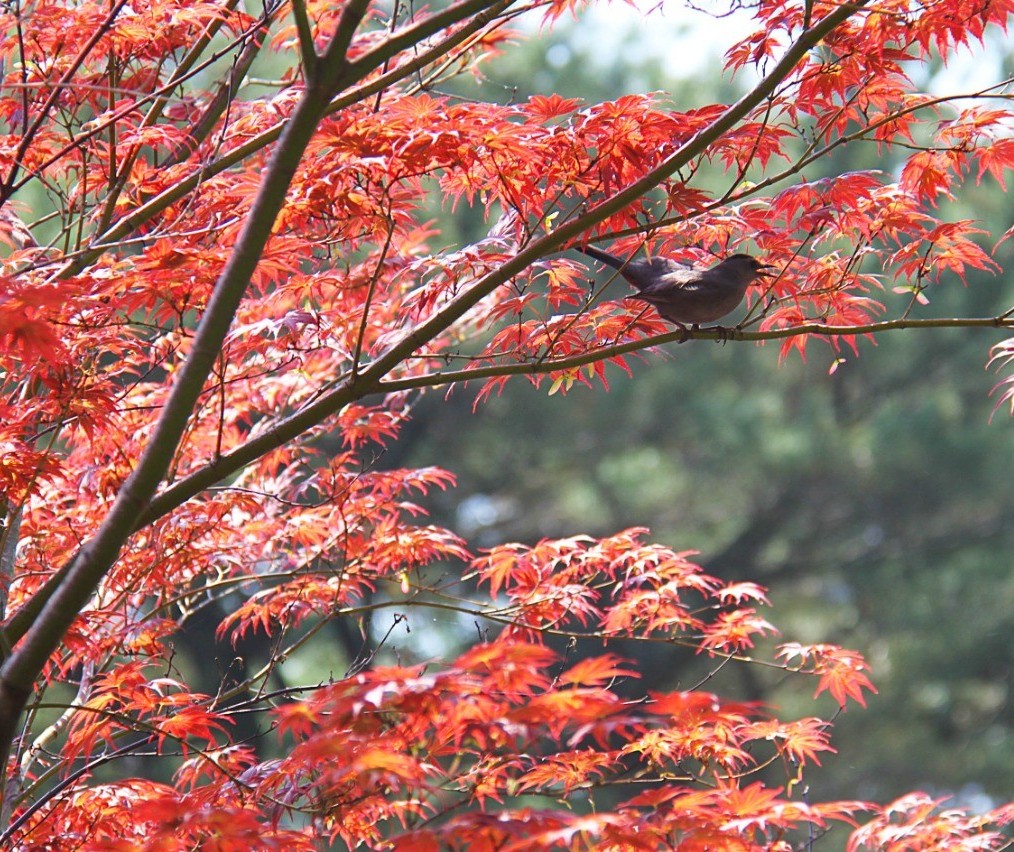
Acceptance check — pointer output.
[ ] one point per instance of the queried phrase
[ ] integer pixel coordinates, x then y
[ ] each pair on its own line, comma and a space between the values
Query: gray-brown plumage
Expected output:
682, 294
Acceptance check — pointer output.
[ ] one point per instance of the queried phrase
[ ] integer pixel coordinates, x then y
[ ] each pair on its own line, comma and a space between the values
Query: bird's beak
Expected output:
762, 268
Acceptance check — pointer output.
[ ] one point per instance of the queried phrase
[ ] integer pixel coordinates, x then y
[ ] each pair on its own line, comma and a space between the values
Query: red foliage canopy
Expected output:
217, 308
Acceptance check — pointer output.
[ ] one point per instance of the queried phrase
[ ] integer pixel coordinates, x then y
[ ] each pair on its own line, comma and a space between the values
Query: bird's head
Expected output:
746, 267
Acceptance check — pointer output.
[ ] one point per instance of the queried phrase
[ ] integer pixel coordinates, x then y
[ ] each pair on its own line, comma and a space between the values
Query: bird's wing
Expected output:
664, 267
668, 275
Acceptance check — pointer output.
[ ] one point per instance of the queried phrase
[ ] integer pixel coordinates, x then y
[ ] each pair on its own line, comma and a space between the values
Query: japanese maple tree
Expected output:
217, 306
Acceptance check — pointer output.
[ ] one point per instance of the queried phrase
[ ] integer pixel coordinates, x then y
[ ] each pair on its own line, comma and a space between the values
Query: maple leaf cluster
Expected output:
217, 308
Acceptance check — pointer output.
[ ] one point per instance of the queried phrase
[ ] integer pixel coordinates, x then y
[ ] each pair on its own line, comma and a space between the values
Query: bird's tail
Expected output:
603, 256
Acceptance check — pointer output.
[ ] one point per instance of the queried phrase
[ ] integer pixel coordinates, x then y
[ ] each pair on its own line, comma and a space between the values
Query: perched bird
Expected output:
682, 294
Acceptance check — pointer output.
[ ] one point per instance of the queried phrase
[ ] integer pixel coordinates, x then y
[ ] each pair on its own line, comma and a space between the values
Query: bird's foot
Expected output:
685, 332
723, 333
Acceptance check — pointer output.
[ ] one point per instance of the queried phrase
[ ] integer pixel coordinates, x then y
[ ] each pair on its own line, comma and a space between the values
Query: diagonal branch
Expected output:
369, 380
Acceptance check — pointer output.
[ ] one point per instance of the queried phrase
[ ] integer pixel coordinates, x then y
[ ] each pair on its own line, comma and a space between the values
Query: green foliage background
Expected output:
874, 502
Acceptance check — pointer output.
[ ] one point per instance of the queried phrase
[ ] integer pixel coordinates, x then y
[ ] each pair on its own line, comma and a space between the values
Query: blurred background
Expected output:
875, 502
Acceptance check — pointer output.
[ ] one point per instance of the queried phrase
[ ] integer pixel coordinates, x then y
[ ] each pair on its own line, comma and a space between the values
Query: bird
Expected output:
682, 294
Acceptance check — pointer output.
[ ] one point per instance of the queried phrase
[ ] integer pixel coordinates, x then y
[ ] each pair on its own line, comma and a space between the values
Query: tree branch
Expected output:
718, 334
306, 48
228, 88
